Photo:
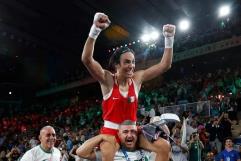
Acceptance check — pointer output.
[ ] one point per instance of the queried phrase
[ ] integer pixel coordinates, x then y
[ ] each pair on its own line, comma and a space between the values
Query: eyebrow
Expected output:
48, 134
129, 60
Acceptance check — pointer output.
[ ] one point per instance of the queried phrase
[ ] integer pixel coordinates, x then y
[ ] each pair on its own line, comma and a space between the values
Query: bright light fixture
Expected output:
184, 25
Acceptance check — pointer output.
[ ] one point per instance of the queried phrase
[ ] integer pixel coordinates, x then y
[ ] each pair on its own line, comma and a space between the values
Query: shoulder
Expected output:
222, 152
138, 75
56, 150
108, 78
28, 155
235, 152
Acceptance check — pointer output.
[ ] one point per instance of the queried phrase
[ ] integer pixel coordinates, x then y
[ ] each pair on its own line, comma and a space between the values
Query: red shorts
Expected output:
114, 132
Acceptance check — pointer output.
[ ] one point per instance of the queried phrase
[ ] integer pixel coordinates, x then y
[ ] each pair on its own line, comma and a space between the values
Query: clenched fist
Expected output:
101, 22
169, 30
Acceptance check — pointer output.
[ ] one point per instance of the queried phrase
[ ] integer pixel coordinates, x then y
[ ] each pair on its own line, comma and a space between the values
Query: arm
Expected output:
9, 154
220, 118
201, 144
101, 22
238, 156
190, 142
87, 149
183, 147
28, 156
71, 151
166, 61
92, 65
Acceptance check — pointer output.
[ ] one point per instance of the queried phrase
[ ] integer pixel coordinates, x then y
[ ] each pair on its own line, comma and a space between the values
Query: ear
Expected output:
39, 137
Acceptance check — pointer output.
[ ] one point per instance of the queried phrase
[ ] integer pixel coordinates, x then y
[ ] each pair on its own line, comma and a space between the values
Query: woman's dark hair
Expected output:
115, 57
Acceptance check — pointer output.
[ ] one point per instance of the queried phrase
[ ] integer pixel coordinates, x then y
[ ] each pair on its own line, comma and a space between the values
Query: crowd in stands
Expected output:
79, 120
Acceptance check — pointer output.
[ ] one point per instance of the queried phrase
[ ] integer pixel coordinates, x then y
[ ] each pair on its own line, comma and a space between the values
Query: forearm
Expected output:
71, 152
158, 68
9, 155
166, 60
87, 149
201, 144
184, 148
87, 54
168, 32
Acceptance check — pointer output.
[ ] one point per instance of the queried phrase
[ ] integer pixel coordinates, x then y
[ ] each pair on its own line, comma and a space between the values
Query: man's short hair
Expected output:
227, 138
128, 122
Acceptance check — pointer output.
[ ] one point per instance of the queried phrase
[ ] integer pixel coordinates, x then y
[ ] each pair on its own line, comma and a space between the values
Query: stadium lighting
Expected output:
154, 35
184, 25
224, 11
145, 38
9, 92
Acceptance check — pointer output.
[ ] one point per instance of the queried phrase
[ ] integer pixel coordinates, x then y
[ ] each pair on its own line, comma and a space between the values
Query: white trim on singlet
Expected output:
124, 94
112, 125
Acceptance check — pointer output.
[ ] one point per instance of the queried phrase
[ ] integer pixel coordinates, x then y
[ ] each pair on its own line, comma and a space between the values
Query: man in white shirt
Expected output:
46, 150
128, 151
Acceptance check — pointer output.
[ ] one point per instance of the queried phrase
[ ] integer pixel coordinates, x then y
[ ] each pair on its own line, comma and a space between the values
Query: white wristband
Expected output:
169, 42
94, 31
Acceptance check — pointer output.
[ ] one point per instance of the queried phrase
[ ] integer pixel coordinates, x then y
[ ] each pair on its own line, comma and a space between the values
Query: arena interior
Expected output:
44, 82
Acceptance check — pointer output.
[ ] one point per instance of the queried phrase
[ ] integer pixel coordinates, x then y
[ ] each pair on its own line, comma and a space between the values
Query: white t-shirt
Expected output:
77, 158
177, 154
133, 156
38, 154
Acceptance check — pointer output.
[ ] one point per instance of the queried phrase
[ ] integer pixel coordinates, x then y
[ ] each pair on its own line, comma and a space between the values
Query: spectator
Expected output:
229, 154
216, 135
46, 149
195, 148
179, 151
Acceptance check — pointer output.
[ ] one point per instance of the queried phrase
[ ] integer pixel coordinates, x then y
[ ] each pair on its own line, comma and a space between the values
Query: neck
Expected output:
229, 148
121, 80
46, 150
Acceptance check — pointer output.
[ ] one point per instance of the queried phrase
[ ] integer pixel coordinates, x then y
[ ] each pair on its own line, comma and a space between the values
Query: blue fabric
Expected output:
232, 155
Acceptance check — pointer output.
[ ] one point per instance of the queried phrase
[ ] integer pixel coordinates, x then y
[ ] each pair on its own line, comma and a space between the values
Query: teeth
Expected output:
129, 140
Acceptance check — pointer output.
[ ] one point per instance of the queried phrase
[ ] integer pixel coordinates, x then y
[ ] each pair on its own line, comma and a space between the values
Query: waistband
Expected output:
111, 125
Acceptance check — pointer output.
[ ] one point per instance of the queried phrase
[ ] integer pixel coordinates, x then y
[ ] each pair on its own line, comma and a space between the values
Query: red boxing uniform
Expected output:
118, 108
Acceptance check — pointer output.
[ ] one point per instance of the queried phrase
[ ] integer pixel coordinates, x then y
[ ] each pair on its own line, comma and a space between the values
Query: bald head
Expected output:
47, 137
45, 128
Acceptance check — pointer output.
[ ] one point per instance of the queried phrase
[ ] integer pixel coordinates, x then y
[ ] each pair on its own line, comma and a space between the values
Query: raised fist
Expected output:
101, 20
169, 30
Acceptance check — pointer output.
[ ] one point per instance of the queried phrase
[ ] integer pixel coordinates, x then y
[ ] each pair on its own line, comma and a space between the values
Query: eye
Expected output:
133, 132
127, 61
48, 135
125, 131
